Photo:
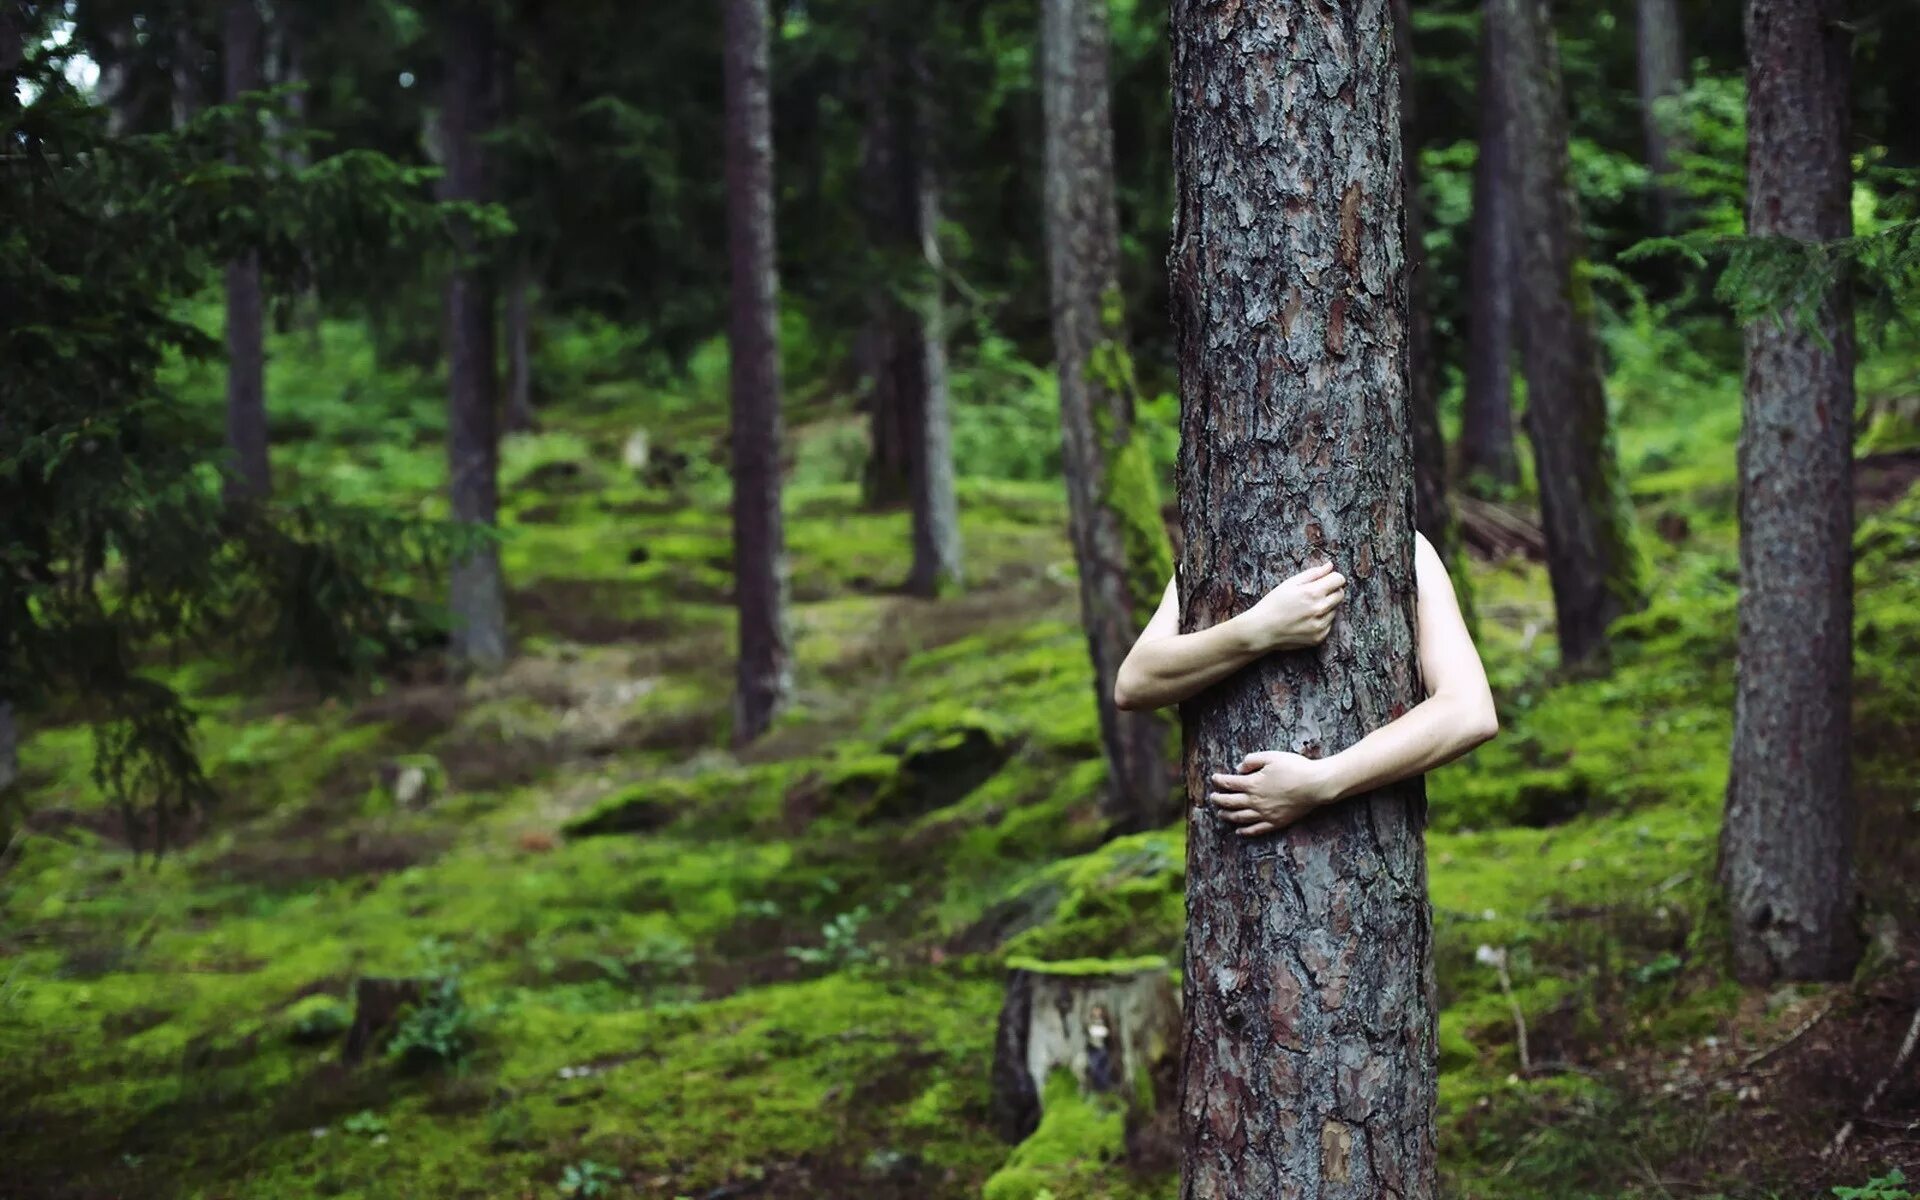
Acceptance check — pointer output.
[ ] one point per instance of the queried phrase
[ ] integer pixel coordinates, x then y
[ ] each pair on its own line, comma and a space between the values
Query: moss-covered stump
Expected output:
1108, 1022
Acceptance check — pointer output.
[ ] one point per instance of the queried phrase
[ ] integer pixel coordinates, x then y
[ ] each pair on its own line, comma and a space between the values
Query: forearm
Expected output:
1438, 730
1167, 670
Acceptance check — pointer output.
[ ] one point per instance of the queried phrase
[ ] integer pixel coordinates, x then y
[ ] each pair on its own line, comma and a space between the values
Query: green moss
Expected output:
1067, 1155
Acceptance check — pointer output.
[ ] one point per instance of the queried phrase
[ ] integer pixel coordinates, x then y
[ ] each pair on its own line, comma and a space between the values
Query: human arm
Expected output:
1275, 788
1166, 666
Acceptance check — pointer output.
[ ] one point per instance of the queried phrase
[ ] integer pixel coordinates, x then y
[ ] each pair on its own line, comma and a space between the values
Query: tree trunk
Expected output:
933, 488
890, 197
1309, 1059
1662, 74
759, 551
1488, 466
1592, 561
477, 601
1432, 514
250, 476
184, 70
912, 430
1786, 848
9, 750
1119, 541
518, 320
116, 78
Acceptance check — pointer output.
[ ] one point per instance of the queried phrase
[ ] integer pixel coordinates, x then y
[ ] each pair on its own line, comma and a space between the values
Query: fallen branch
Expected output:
1873, 1098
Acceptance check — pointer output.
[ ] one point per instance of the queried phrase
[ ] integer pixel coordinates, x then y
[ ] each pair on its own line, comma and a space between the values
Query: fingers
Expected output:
1253, 762
1240, 816
1317, 571
1232, 783
1251, 830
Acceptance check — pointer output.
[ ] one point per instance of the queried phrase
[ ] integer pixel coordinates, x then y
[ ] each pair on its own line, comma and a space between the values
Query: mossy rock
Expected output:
848, 788
1078, 1137
641, 808
315, 1020
941, 760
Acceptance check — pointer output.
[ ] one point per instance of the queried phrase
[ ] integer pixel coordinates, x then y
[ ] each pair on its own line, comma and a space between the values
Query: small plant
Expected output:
436, 1032
841, 942
1884, 1187
587, 1178
365, 1123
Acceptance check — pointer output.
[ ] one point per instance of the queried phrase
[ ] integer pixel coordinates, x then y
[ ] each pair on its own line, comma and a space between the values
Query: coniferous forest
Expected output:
1020, 599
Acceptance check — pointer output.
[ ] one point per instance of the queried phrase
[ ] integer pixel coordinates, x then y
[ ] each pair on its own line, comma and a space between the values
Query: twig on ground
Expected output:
1899, 1064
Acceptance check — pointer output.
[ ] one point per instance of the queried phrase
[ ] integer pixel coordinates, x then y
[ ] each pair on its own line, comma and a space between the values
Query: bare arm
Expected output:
1277, 787
1166, 666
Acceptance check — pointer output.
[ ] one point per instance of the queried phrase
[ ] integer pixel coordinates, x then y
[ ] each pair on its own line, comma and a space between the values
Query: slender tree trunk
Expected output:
759, 549
1119, 541
1786, 848
184, 69
116, 78
477, 591
250, 477
1308, 1066
891, 201
1592, 561
1662, 74
933, 489
9, 750
1487, 462
518, 321
1433, 514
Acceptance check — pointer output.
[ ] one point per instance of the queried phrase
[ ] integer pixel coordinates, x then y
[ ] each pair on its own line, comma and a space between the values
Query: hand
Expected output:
1273, 790
1299, 610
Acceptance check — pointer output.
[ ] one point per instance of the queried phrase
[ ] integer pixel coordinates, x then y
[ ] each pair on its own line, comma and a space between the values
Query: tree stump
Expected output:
377, 1005
1107, 1021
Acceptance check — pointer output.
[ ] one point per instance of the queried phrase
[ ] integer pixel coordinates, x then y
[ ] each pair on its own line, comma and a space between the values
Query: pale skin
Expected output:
1271, 789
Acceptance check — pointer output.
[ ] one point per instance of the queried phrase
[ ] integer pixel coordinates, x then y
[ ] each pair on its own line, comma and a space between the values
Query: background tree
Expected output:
1309, 1059
1119, 540
759, 551
477, 596
251, 476
1594, 565
1662, 72
1486, 456
1786, 849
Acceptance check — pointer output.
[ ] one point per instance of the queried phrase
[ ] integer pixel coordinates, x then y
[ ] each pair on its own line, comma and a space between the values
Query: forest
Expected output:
1003, 599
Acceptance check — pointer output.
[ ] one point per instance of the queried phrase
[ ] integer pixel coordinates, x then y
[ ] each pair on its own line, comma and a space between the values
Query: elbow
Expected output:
1483, 725
1123, 695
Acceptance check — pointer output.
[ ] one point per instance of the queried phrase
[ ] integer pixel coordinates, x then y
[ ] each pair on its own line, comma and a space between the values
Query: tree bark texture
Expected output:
765, 670
1592, 561
1119, 540
477, 597
934, 488
250, 474
1662, 73
1487, 462
1432, 514
1786, 847
1308, 1061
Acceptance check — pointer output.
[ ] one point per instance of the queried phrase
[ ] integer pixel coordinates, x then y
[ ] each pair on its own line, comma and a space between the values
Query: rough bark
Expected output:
1308, 1064
1109, 1027
250, 475
765, 670
1119, 541
477, 597
1487, 462
1432, 514
1662, 73
1786, 848
1592, 561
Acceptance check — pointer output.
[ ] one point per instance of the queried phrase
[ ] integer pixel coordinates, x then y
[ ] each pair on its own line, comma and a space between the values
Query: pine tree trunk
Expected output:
1592, 561
1308, 1066
1487, 461
517, 318
1786, 848
250, 476
1433, 514
890, 200
477, 600
116, 79
183, 69
759, 551
1662, 74
933, 488
1119, 541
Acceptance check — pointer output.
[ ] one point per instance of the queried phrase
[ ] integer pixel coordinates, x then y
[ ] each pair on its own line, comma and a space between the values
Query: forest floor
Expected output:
669, 969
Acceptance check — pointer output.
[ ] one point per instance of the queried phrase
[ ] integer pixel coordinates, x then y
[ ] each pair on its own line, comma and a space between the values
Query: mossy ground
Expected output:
779, 969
